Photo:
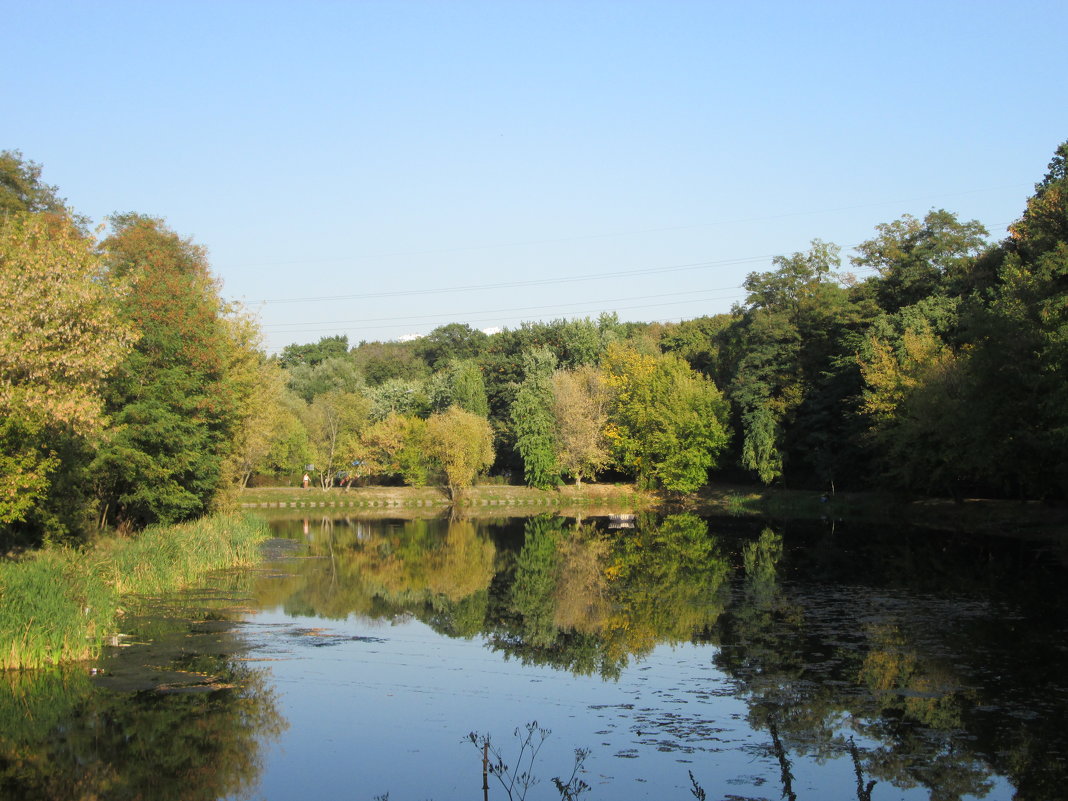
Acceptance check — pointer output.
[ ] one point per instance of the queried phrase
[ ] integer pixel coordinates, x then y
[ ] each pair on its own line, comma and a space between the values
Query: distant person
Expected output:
307, 481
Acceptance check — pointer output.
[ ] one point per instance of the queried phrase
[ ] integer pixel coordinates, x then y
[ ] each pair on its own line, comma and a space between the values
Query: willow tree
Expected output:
789, 330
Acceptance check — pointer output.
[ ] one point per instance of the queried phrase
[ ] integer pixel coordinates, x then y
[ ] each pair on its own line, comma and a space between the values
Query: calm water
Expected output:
768, 660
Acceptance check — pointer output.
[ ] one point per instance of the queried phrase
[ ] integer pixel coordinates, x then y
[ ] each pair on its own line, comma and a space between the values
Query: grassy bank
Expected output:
59, 605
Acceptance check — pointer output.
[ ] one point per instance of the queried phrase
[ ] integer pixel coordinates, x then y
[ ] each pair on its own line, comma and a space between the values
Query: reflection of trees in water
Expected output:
897, 668
64, 737
422, 567
590, 601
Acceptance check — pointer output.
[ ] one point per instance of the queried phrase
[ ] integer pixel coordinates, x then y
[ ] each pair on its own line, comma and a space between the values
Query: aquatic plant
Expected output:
55, 607
58, 605
518, 779
166, 558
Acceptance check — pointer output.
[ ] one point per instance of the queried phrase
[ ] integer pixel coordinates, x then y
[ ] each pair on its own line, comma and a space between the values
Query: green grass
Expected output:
58, 605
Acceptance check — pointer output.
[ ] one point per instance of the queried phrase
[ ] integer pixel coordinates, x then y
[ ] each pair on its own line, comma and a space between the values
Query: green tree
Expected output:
459, 383
21, 189
919, 258
334, 347
668, 422
533, 420
332, 374
174, 402
914, 400
381, 361
455, 341
700, 342
398, 396
787, 337
1020, 338
394, 446
271, 436
334, 421
289, 449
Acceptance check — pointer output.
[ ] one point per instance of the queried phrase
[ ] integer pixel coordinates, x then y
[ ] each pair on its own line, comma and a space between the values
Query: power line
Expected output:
528, 283
440, 315
295, 328
630, 232
540, 281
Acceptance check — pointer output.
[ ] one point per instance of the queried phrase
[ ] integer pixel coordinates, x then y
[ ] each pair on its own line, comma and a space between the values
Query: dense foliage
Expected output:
131, 394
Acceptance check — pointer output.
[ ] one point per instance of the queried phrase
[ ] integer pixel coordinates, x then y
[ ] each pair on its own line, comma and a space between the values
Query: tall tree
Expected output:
533, 420
174, 402
919, 258
788, 329
1020, 347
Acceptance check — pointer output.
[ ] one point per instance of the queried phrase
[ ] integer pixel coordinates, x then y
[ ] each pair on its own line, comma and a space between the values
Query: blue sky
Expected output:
381, 168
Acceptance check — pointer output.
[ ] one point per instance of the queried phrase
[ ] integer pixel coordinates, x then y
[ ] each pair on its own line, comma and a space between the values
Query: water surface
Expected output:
769, 660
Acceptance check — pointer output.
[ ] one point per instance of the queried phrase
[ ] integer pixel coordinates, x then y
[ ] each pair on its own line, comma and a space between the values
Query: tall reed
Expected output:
166, 558
58, 605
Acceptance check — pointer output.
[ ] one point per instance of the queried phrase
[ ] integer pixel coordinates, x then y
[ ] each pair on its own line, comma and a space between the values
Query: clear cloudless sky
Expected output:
377, 169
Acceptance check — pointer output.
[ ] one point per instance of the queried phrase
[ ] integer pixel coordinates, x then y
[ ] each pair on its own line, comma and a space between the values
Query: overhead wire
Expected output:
630, 232
306, 327
525, 283
418, 317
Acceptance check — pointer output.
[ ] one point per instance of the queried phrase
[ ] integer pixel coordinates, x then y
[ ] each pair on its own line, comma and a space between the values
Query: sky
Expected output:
378, 169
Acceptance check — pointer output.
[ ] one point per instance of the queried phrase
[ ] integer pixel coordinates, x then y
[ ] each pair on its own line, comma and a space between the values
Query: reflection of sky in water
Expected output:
375, 707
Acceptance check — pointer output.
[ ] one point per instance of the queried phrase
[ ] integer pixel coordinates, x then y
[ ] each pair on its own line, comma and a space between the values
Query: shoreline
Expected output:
1030, 519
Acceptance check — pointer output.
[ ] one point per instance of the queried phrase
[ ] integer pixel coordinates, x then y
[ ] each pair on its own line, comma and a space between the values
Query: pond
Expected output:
732, 658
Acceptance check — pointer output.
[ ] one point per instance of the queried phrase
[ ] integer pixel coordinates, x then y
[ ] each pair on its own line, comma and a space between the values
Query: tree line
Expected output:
131, 393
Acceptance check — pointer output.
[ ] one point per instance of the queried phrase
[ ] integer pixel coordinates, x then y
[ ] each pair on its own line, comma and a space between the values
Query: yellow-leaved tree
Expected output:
62, 335
462, 443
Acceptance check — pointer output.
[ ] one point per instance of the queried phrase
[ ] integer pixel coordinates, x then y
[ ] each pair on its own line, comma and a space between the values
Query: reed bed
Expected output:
58, 605
166, 558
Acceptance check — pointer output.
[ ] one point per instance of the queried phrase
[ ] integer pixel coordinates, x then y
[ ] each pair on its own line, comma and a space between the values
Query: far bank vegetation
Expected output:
930, 361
